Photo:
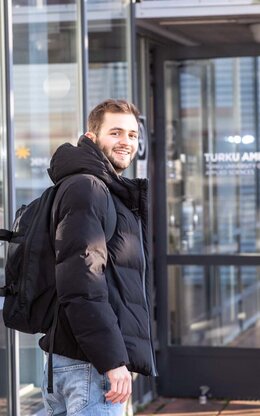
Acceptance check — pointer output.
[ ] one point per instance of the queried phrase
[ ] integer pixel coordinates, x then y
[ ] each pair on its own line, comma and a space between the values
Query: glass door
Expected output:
213, 161
212, 155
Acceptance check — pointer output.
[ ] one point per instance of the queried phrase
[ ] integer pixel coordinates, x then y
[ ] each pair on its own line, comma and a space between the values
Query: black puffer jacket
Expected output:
103, 316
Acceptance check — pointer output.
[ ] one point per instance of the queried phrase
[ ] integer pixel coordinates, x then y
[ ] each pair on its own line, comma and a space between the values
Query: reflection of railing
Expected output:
195, 8
219, 330
97, 10
111, 2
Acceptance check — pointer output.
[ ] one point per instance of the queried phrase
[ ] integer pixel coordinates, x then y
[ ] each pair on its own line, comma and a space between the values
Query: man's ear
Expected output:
91, 136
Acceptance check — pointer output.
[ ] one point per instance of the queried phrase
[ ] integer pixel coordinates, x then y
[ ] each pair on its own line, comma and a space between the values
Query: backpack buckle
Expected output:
5, 235
8, 290
12, 289
3, 291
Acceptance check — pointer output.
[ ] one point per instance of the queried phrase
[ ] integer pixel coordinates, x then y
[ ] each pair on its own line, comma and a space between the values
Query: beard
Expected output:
118, 163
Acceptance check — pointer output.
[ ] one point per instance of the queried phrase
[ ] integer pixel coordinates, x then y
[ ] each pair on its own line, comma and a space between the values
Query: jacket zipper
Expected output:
154, 372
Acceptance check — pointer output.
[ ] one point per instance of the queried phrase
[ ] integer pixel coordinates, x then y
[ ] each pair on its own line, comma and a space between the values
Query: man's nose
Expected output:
125, 138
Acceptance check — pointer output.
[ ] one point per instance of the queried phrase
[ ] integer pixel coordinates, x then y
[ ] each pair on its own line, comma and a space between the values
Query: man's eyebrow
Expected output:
121, 129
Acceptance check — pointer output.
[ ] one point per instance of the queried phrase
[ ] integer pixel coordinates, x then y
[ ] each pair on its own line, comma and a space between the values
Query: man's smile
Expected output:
122, 151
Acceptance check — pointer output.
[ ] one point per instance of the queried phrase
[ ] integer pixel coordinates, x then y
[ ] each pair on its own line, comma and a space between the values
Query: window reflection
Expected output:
213, 156
108, 50
214, 306
47, 113
47, 108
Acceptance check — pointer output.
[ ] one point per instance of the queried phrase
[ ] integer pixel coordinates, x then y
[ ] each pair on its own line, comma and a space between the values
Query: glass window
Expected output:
47, 108
214, 306
109, 50
47, 113
213, 156
109, 70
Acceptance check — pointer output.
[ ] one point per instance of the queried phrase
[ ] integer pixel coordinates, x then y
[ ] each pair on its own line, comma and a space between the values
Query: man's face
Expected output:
118, 139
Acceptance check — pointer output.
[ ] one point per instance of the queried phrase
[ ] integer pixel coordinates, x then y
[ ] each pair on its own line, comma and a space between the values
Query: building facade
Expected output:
192, 67
199, 70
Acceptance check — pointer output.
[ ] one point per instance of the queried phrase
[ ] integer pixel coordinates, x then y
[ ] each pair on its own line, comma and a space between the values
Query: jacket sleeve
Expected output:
81, 256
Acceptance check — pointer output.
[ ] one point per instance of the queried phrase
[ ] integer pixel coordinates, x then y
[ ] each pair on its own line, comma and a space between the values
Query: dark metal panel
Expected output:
208, 52
228, 372
214, 259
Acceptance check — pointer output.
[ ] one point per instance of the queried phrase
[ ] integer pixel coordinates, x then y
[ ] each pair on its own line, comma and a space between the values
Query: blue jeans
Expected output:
78, 389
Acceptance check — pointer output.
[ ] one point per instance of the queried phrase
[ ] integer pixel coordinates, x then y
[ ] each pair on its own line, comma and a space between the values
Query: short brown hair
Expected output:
96, 116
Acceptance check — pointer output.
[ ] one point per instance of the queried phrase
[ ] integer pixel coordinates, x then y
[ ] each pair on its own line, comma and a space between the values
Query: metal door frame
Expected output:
221, 368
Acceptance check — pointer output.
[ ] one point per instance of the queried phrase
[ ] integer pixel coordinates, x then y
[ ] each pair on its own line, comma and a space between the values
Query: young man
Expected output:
104, 329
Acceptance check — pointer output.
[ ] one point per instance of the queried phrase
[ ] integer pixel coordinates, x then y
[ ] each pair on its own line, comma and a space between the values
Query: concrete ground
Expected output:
192, 407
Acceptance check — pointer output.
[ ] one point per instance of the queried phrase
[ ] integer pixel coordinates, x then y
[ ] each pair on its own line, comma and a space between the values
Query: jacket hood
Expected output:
87, 158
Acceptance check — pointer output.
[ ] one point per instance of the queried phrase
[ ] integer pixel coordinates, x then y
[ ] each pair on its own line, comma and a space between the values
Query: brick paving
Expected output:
174, 407
192, 407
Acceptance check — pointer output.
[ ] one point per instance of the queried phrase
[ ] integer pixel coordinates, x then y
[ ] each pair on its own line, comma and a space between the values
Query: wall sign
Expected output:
142, 155
231, 163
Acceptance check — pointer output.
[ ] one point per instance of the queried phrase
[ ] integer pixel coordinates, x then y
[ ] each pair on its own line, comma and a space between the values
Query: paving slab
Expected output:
242, 408
192, 407
154, 406
183, 407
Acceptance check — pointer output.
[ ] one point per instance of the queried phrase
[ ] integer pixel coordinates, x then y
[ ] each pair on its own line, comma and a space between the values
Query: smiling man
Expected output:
117, 137
104, 330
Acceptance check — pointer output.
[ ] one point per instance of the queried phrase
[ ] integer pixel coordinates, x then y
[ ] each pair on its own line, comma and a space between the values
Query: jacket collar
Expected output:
87, 158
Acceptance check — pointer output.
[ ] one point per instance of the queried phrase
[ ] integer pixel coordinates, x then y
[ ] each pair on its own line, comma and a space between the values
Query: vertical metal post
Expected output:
143, 75
161, 270
131, 51
82, 30
257, 138
9, 193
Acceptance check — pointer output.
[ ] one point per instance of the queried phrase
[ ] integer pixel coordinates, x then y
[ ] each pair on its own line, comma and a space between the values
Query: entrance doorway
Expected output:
207, 242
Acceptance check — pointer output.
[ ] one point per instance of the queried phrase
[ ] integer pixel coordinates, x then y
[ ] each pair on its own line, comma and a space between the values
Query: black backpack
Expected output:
30, 290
